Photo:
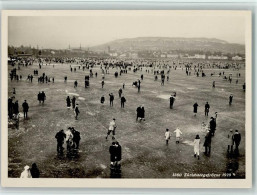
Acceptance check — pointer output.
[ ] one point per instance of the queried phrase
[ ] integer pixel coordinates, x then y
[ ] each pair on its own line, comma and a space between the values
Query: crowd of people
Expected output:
72, 136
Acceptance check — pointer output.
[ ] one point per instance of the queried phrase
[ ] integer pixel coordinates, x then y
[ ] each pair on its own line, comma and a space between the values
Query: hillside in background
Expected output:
166, 44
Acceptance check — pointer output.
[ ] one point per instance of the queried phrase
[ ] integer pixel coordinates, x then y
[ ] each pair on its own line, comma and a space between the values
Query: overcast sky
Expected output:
58, 32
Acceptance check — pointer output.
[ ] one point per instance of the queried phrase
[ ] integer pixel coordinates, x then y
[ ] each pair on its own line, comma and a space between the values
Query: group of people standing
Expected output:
72, 138
140, 113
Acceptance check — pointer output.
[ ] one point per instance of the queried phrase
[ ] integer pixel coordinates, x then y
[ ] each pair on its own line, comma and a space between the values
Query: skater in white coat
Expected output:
197, 147
178, 133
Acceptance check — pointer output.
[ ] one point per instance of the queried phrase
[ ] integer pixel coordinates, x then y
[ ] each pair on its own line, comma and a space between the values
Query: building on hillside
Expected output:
114, 54
172, 55
197, 56
237, 58
212, 57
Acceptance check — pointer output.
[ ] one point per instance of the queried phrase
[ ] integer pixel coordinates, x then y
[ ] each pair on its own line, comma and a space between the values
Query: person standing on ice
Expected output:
178, 133
197, 147
167, 136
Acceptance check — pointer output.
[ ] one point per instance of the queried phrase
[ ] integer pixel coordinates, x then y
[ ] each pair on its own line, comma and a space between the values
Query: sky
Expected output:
58, 32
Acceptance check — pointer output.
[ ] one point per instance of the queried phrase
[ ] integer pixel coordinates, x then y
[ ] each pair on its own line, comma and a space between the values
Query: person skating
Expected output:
230, 142
120, 92
111, 99
68, 102
195, 108
102, 83
138, 113
212, 126
197, 146
25, 107
73, 101
112, 151
39, 97
102, 100
172, 100
178, 134
60, 137
207, 143
34, 171
43, 96
167, 136
207, 108
122, 101
112, 127
237, 140
16, 107
230, 99
76, 137
76, 111
26, 173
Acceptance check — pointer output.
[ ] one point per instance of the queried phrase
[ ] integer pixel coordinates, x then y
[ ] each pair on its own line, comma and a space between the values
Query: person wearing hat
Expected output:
230, 141
76, 111
197, 146
25, 107
167, 136
26, 173
230, 99
112, 127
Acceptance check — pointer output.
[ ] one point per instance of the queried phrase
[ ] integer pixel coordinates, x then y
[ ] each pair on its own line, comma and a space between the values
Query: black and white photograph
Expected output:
116, 95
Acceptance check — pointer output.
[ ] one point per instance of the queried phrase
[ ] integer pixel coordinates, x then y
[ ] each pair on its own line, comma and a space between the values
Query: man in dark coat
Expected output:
207, 143
76, 137
76, 110
122, 101
118, 154
39, 97
73, 102
102, 99
120, 92
10, 107
111, 99
139, 113
236, 140
60, 136
25, 107
68, 101
172, 100
112, 151
43, 96
207, 107
195, 108
16, 108
34, 171
230, 99
212, 126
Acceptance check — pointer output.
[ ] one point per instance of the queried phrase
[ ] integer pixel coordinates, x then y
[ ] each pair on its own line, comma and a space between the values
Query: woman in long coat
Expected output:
197, 146
195, 108
68, 101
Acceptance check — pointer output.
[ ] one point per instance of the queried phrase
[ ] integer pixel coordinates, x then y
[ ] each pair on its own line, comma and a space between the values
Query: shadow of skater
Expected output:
232, 167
